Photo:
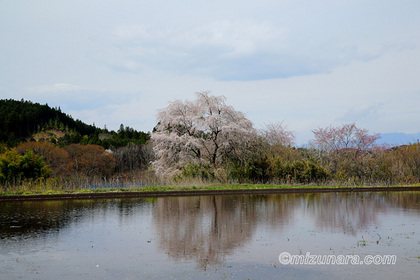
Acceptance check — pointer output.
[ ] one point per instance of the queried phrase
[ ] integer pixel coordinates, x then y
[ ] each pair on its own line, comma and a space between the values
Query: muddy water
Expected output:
210, 237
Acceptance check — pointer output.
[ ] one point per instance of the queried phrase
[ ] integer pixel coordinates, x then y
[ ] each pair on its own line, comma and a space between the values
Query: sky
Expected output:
304, 63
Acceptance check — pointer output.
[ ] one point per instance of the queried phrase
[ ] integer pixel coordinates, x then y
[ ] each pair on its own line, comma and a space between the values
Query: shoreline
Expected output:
148, 194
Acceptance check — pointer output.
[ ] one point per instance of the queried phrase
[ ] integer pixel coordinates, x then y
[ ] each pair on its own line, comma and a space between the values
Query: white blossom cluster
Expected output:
205, 131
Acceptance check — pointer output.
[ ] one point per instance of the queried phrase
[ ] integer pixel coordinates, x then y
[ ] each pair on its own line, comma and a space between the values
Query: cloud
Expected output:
261, 41
58, 87
227, 50
201, 50
363, 112
72, 97
138, 112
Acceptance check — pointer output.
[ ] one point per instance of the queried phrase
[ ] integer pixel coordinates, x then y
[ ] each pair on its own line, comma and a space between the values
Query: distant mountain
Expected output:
398, 139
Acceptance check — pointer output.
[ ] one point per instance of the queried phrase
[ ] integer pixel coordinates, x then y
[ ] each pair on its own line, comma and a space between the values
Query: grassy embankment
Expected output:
40, 189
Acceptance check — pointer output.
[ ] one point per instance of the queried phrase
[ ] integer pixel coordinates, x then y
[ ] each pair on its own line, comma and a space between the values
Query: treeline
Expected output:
102, 137
277, 164
22, 121
206, 141
274, 164
398, 165
40, 161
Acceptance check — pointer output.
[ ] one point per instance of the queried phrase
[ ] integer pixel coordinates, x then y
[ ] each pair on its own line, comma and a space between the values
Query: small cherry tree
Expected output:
348, 152
203, 131
347, 136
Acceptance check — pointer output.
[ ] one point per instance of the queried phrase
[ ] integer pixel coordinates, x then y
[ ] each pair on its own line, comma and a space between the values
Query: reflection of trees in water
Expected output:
35, 219
23, 219
349, 212
407, 200
345, 212
207, 228
276, 210
39, 224
204, 228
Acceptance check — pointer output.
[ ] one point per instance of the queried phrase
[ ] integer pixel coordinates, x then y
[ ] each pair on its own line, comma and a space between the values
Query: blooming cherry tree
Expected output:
343, 137
205, 131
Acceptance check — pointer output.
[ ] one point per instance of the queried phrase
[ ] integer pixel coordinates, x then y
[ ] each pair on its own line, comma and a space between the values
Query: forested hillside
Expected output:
39, 142
23, 121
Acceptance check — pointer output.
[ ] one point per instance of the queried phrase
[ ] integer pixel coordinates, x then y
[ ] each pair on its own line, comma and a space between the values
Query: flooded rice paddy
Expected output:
211, 237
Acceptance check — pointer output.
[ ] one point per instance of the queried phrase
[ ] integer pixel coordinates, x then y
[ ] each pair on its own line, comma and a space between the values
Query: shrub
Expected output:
196, 171
301, 171
15, 167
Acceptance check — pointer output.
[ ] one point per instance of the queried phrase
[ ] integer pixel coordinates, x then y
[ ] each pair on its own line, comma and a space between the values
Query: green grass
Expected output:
39, 190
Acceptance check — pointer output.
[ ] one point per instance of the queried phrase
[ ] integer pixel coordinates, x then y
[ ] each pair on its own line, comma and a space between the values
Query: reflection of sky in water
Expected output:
208, 237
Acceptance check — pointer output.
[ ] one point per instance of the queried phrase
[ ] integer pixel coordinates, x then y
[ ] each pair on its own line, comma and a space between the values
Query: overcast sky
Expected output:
307, 64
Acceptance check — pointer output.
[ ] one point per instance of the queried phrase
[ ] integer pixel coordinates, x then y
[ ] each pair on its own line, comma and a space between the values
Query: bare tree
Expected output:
203, 131
276, 134
132, 157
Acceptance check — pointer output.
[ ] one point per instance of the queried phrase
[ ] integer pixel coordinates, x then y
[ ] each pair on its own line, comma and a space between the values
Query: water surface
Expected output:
210, 237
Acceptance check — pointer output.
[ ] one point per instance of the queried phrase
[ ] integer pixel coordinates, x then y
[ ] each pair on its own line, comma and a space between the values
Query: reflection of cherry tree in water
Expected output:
205, 228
